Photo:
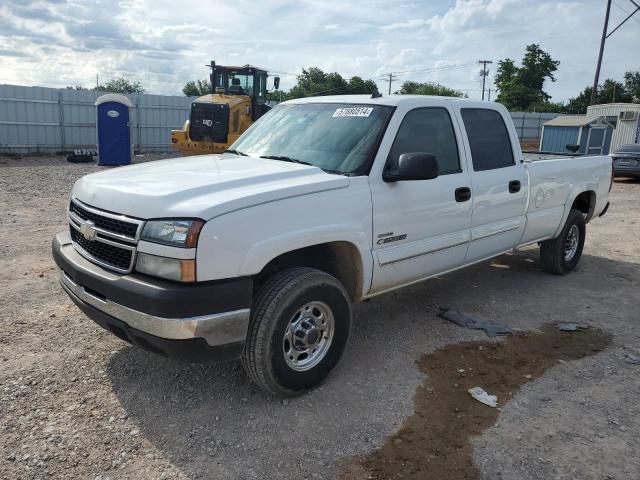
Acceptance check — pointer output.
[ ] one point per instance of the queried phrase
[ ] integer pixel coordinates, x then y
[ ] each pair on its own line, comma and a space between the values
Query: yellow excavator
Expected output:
216, 120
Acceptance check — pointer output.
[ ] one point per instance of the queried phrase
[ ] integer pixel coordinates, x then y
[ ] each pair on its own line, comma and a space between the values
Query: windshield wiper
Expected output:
302, 162
284, 158
236, 152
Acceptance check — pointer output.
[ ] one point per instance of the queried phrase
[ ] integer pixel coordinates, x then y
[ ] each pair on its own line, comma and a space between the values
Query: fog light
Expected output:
169, 268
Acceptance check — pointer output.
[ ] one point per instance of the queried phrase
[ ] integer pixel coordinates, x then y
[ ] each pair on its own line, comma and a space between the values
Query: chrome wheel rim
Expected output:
571, 244
308, 336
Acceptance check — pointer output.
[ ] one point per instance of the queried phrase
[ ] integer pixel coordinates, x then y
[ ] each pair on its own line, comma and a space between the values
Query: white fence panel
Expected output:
529, 124
49, 120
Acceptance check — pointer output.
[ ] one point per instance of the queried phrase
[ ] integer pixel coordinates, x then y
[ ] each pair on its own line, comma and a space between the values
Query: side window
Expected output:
427, 130
488, 139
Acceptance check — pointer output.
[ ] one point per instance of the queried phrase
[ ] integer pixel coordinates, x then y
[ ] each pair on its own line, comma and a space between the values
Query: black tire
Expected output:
73, 158
276, 304
552, 252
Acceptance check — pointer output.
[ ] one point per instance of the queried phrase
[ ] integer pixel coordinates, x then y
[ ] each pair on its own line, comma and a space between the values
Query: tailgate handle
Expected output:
463, 194
514, 186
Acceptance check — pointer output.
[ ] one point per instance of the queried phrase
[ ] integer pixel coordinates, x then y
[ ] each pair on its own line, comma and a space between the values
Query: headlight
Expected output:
177, 233
169, 268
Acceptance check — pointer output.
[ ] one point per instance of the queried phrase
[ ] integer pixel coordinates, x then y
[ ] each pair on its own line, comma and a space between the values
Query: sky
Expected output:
164, 44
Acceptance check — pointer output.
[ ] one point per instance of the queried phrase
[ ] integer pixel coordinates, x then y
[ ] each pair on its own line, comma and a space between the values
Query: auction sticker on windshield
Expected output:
353, 112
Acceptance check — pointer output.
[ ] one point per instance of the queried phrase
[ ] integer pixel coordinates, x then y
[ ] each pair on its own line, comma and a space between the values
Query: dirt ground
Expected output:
435, 442
76, 402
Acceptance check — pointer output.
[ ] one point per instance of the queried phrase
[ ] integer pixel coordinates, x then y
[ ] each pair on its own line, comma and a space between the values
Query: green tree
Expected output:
632, 85
313, 82
356, 85
197, 88
428, 88
609, 91
521, 88
548, 107
116, 85
120, 85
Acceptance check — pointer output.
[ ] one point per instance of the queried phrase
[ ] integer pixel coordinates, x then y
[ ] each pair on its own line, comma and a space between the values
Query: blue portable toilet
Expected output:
112, 125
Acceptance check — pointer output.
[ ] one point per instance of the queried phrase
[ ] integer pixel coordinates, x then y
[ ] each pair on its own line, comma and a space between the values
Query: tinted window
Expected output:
488, 139
427, 130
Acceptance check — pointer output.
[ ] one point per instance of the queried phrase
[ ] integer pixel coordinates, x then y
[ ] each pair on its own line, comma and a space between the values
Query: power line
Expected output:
625, 12
434, 69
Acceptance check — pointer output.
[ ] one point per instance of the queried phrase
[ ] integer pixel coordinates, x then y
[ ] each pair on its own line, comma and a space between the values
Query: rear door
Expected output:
498, 180
421, 227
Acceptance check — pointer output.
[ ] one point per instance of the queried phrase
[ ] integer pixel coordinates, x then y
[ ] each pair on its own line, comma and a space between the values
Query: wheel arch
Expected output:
582, 199
585, 202
341, 259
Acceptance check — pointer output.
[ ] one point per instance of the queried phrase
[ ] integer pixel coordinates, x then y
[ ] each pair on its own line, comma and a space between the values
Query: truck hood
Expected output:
203, 186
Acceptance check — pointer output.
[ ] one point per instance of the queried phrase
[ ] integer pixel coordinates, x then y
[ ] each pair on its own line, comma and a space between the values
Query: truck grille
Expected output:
105, 254
104, 238
120, 227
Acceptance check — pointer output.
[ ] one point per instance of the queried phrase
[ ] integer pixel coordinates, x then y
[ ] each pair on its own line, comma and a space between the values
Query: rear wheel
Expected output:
562, 254
300, 323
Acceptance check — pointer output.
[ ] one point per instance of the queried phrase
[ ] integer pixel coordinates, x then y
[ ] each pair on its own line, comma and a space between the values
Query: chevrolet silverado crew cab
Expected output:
259, 253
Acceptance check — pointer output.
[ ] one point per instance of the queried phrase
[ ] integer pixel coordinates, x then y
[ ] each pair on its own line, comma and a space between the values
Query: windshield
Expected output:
336, 137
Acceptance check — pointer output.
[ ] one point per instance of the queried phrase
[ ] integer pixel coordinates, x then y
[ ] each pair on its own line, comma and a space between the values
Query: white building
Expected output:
625, 117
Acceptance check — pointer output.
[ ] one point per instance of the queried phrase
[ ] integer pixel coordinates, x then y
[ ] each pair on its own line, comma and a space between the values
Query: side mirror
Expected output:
413, 166
572, 147
276, 83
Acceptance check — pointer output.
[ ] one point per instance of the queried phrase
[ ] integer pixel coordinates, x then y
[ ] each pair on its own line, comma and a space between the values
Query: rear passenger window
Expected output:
488, 139
427, 130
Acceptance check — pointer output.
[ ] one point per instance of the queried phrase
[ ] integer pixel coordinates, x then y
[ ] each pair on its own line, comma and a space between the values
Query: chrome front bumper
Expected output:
216, 329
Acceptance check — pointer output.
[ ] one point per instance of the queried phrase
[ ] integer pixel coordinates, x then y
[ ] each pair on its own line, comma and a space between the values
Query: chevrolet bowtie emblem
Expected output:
87, 231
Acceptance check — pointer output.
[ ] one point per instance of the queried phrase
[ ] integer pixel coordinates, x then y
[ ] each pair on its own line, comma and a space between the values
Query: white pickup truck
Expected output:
258, 253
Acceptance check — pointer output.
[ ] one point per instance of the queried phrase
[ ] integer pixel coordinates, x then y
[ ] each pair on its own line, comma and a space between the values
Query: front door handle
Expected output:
463, 194
514, 186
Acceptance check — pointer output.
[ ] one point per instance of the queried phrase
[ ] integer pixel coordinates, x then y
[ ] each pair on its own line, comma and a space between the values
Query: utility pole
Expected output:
392, 77
484, 73
606, 34
596, 79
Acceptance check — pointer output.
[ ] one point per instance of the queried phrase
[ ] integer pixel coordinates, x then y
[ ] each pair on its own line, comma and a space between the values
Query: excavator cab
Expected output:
216, 120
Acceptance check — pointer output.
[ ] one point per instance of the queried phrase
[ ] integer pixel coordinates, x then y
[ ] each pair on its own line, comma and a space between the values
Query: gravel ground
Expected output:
76, 402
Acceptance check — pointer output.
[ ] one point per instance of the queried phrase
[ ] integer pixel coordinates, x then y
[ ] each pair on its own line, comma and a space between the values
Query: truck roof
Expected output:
394, 100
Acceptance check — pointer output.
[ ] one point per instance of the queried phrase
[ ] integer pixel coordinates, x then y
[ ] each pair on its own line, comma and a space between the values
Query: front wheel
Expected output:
562, 254
299, 327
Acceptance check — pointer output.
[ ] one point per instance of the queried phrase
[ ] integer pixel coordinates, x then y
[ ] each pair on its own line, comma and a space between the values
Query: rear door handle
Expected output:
514, 186
463, 194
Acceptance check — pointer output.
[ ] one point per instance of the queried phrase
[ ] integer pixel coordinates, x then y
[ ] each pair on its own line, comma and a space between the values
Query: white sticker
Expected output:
113, 113
353, 112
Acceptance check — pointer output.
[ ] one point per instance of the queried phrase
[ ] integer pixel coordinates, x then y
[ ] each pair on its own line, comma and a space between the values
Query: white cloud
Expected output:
68, 42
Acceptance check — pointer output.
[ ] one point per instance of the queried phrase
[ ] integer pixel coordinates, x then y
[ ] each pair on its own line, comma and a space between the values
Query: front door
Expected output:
595, 140
499, 184
421, 227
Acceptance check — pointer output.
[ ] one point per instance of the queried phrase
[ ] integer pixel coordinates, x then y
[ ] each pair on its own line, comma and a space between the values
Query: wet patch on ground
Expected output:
435, 442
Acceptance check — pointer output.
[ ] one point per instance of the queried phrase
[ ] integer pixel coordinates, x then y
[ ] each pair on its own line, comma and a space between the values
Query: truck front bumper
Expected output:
193, 322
